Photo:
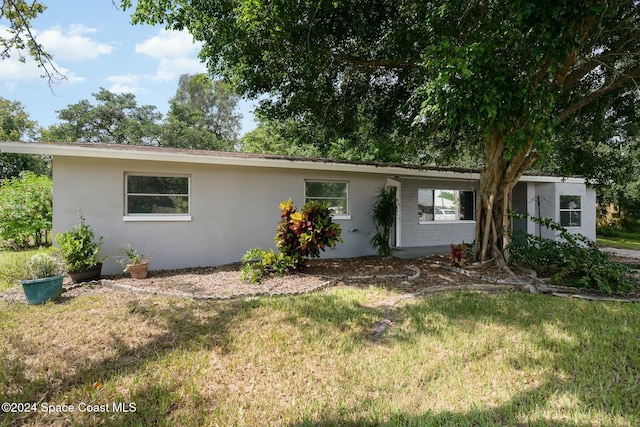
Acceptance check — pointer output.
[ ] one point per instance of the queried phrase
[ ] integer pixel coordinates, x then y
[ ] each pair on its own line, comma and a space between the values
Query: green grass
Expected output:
453, 359
619, 239
12, 266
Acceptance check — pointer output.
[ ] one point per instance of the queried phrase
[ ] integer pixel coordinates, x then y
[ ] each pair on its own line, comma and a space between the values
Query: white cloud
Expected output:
168, 44
12, 70
72, 45
176, 53
129, 83
172, 68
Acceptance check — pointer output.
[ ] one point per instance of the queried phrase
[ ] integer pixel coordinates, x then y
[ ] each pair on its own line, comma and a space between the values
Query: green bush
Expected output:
257, 262
300, 235
26, 209
46, 264
78, 248
304, 234
572, 260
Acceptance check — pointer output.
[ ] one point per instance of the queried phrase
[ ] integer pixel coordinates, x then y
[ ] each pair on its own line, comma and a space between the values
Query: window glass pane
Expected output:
338, 206
333, 194
576, 219
467, 208
565, 218
157, 184
326, 189
445, 205
425, 204
158, 205
570, 202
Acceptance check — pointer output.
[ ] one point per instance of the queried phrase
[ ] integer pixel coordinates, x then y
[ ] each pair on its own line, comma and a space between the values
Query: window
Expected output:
331, 192
570, 211
445, 205
157, 195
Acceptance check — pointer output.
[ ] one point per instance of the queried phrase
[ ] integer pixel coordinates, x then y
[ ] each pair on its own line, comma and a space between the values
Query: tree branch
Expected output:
592, 97
372, 63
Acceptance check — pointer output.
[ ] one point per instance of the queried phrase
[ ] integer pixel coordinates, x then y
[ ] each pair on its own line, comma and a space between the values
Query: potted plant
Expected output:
134, 262
45, 275
80, 252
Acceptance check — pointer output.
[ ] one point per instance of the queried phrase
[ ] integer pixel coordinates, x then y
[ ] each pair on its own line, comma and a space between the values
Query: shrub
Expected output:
304, 234
299, 235
458, 254
257, 262
573, 260
26, 209
383, 213
78, 247
47, 264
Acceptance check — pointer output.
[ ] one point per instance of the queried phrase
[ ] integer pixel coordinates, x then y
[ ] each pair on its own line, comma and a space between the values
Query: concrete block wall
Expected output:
436, 233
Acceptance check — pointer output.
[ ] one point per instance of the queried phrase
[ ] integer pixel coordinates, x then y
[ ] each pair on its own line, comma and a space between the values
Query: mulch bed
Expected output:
401, 275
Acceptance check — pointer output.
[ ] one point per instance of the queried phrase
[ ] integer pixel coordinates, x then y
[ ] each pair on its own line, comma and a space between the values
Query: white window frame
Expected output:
444, 221
570, 210
347, 214
151, 217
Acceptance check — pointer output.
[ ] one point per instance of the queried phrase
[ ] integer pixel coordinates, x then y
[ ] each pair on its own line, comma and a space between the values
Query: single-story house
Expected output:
191, 208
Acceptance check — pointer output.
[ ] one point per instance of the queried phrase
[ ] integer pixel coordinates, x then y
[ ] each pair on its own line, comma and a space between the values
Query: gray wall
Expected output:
550, 193
435, 233
233, 209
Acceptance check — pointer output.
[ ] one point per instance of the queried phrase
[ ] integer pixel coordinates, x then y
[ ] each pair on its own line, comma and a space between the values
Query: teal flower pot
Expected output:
39, 291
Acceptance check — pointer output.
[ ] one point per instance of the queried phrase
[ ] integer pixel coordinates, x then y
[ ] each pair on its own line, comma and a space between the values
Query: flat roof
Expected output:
234, 158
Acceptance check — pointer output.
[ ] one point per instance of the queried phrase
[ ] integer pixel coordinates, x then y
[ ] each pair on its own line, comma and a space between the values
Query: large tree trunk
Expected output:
498, 177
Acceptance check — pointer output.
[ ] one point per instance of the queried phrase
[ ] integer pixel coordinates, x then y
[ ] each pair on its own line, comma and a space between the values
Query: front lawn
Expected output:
619, 239
452, 359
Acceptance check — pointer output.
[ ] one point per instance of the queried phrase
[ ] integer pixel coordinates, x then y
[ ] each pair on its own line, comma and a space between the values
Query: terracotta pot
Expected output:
139, 271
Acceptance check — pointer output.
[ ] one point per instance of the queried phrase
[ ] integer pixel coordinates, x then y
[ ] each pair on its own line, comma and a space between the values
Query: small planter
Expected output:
139, 271
39, 291
87, 275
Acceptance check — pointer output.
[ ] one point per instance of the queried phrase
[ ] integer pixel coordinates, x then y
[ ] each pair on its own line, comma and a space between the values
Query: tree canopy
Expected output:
116, 118
16, 125
202, 115
516, 74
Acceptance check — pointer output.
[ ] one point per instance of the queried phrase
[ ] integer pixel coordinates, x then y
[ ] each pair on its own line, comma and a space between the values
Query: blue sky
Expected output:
94, 45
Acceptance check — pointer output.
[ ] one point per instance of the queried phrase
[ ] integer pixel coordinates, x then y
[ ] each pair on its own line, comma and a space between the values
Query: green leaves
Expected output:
571, 259
20, 37
383, 213
202, 115
78, 247
26, 209
115, 118
304, 234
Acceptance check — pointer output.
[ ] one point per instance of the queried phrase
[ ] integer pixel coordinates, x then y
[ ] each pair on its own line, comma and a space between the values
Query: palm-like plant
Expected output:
383, 213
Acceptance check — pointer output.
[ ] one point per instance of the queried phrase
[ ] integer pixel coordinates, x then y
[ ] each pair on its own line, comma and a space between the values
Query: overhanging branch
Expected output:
594, 96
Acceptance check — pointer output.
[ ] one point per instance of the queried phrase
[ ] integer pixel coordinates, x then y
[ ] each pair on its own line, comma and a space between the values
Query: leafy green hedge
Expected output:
572, 259
26, 210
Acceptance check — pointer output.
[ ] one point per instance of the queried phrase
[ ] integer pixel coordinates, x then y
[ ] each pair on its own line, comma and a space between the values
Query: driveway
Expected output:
625, 253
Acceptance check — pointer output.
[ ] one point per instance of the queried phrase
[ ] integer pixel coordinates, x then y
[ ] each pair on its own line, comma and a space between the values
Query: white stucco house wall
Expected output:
192, 208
